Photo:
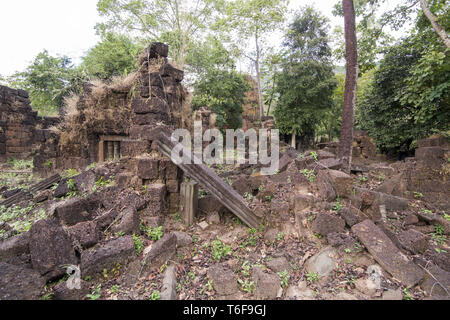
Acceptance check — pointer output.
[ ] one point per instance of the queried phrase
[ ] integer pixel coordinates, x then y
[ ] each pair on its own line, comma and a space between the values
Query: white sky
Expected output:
66, 27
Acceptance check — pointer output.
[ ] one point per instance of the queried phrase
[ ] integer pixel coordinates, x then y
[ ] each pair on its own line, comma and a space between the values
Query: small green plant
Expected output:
49, 164
220, 249
314, 155
284, 277
246, 269
382, 177
115, 288
347, 250
427, 211
248, 196
312, 277
246, 285
338, 206
447, 217
406, 294
177, 217
96, 294
418, 195
156, 233
138, 244
438, 234
439, 251
69, 173
309, 174
120, 234
87, 278
362, 179
155, 295
280, 236
269, 198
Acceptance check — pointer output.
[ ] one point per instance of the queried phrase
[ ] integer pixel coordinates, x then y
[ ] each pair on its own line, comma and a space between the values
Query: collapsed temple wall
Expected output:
21, 129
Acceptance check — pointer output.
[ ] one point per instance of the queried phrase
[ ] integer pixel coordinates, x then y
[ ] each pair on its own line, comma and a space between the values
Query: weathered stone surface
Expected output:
42, 196
128, 222
328, 223
107, 255
434, 141
106, 219
183, 239
224, 281
325, 187
85, 233
169, 288
62, 189
134, 200
271, 235
387, 254
341, 182
352, 215
14, 246
301, 202
330, 163
73, 211
438, 284
267, 285
279, 265
366, 286
157, 203
300, 292
213, 218
411, 219
393, 295
148, 168
161, 251
19, 283
170, 71
50, 248
62, 292
210, 204
323, 262
413, 241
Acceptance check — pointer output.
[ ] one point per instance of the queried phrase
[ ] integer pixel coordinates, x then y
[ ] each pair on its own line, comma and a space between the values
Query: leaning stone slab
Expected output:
169, 289
387, 254
106, 256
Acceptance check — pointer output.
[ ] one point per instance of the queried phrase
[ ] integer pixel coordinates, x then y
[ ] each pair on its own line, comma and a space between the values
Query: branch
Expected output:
436, 26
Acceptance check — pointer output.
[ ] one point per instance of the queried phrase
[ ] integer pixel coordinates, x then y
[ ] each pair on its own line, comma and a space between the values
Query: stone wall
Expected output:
20, 126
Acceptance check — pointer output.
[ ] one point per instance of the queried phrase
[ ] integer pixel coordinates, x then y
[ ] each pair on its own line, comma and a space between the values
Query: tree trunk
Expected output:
294, 139
348, 112
436, 26
258, 75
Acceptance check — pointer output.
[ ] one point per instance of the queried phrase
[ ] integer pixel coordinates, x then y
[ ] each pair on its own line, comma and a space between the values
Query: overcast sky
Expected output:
66, 27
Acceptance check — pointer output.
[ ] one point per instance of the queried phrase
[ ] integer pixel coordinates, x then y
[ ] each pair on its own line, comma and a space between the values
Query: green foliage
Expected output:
223, 92
312, 277
220, 250
48, 81
307, 82
96, 294
69, 173
138, 244
284, 277
115, 55
155, 234
246, 285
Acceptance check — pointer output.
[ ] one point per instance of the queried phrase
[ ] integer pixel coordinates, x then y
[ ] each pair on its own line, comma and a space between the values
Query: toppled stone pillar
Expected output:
189, 201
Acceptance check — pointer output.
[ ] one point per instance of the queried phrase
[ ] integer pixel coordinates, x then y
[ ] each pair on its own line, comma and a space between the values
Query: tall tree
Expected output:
114, 55
176, 22
434, 22
48, 80
351, 81
253, 19
306, 83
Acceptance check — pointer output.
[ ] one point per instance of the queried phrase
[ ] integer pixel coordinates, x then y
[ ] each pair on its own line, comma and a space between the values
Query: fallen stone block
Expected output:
20, 283
50, 249
279, 265
325, 224
161, 251
14, 246
323, 263
224, 281
268, 285
387, 254
73, 211
107, 256
413, 241
352, 216
148, 169
85, 233
169, 287
128, 222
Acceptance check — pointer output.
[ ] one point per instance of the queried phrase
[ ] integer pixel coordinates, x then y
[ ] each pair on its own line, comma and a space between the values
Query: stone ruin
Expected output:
321, 211
21, 129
